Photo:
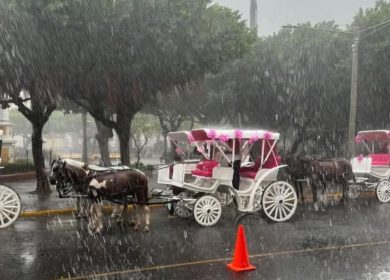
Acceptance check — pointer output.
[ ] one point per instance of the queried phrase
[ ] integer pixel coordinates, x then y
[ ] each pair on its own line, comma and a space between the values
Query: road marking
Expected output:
254, 256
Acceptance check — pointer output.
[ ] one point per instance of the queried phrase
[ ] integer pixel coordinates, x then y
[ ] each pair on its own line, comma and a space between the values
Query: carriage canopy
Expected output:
374, 135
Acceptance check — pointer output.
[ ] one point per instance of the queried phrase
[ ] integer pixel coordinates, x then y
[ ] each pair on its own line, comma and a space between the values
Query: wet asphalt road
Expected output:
343, 242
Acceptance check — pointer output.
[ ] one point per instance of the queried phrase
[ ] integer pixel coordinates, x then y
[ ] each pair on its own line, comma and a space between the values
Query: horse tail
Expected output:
349, 172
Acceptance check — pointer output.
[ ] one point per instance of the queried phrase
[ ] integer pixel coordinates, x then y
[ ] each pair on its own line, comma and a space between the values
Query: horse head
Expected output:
56, 172
298, 166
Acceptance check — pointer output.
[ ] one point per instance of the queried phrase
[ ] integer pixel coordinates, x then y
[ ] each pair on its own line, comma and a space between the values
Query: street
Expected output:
342, 242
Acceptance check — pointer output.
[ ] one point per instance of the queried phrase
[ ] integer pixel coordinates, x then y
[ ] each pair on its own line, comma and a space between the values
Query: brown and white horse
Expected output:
72, 176
117, 186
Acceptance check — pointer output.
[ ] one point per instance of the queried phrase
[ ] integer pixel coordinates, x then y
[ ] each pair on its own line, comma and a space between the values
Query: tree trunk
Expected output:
43, 186
123, 131
85, 146
102, 136
165, 147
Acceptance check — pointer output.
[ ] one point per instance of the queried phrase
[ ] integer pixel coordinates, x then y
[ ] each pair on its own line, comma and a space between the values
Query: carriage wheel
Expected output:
257, 199
10, 206
279, 201
207, 210
383, 191
181, 210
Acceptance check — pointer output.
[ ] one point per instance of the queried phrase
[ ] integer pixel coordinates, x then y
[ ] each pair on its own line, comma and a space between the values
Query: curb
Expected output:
17, 177
66, 211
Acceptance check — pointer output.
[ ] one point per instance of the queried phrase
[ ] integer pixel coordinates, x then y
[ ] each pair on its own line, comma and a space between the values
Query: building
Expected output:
8, 146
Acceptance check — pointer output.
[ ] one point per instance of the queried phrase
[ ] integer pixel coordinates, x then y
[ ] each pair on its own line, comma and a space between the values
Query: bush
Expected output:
18, 167
141, 166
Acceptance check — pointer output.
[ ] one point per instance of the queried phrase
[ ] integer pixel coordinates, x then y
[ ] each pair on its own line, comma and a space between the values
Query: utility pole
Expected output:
253, 16
85, 148
354, 87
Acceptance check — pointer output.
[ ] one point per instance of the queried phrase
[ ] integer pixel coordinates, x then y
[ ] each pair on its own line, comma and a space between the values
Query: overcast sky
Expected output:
272, 14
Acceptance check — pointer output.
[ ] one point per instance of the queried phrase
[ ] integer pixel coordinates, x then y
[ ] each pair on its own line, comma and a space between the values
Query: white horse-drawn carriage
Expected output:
207, 183
372, 166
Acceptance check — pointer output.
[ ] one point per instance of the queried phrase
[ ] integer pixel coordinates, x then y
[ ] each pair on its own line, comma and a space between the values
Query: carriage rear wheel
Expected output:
279, 201
207, 210
383, 191
10, 206
181, 210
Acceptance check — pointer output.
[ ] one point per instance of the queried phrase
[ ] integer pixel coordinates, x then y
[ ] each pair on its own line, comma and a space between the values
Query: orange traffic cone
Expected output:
241, 258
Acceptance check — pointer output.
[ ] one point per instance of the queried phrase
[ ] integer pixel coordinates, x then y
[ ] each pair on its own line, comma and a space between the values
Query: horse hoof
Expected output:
316, 208
146, 229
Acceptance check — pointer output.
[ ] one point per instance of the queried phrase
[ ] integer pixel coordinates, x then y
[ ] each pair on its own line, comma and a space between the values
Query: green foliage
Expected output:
289, 83
374, 71
145, 125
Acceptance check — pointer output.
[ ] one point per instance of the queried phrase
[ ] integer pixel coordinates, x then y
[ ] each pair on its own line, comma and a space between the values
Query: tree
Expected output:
148, 47
30, 69
143, 127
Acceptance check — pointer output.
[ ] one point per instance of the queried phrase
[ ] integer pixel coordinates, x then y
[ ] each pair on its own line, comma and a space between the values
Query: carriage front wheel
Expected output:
383, 191
279, 201
207, 210
10, 206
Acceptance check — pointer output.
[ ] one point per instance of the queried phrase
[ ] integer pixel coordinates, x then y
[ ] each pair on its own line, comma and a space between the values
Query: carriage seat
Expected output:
380, 159
205, 168
251, 171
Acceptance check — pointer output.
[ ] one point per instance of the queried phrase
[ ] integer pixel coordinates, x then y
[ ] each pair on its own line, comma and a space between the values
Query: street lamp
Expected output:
357, 36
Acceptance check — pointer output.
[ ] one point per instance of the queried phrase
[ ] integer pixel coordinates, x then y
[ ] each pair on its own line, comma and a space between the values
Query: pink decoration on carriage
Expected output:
388, 134
238, 134
267, 135
223, 138
212, 134
358, 139
360, 157
179, 150
191, 137
200, 149
254, 138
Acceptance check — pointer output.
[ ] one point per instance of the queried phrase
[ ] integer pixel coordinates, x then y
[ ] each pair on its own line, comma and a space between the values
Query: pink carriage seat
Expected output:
251, 171
205, 168
380, 159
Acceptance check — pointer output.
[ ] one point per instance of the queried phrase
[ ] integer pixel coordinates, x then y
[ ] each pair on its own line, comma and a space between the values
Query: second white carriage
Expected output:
372, 164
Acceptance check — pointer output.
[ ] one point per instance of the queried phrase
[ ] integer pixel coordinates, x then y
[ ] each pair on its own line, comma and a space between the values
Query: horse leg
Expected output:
115, 211
99, 217
147, 217
137, 210
92, 218
345, 186
323, 199
133, 216
81, 207
314, 184
120, 214
78, 208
